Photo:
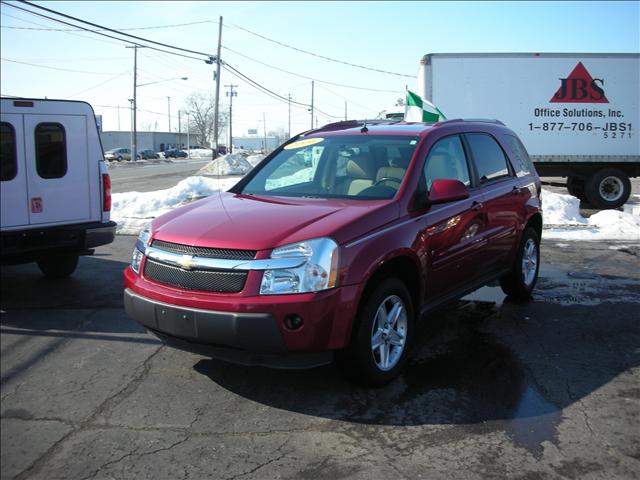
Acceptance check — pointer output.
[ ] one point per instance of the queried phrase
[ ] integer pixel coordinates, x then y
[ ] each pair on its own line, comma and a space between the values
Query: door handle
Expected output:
476, 206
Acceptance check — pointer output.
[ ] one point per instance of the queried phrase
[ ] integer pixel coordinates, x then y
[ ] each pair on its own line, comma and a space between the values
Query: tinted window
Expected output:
523, 164
8, 160
447, 160
489, 157
51, 150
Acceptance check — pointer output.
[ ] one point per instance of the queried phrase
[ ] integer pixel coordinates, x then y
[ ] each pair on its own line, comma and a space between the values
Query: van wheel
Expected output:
119, 159
520, 282
60, 266
384, 329
608, 188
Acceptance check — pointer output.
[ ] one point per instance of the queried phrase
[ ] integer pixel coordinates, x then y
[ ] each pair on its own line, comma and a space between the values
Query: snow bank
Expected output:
200, 153
231, 164
133, 210
562, 220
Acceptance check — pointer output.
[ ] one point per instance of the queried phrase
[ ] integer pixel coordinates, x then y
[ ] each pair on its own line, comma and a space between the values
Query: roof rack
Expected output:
351, 124
483, 120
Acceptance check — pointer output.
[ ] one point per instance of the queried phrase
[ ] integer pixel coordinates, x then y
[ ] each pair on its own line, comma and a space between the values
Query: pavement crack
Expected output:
263, 464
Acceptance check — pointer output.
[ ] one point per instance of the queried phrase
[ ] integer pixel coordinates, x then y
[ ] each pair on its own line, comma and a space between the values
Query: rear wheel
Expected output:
608, 188
60, 266
382, 336
520, 282
575, 187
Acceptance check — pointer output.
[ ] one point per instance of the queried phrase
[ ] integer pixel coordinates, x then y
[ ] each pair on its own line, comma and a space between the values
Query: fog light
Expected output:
293, 322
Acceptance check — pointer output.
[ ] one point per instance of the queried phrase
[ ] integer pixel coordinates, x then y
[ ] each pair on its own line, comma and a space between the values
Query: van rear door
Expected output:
14, 209
57, 170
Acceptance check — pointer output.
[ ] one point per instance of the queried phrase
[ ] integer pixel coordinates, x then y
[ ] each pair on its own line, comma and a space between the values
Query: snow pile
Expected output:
133, 210
562, 220
232, 164
301, 176
200, 153
255, 159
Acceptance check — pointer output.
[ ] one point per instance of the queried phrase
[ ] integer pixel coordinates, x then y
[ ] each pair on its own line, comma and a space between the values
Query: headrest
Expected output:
361, 166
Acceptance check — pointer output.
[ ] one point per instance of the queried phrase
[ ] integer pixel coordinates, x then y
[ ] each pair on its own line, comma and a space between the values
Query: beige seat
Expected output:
361, 173
390, 172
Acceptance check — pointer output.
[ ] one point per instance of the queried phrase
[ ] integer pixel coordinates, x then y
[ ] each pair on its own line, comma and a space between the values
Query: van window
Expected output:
488, 156
447, 160
8, 157
51, 150
523, 164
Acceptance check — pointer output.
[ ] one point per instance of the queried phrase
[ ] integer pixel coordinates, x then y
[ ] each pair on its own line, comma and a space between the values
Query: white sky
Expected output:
390, 36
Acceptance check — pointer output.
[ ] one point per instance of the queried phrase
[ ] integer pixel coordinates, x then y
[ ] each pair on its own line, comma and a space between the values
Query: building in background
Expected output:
156, 141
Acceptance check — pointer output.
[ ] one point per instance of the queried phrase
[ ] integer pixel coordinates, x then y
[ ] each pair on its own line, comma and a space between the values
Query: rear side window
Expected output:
523, 164
488, 156
51, 150
8, 156
447, 160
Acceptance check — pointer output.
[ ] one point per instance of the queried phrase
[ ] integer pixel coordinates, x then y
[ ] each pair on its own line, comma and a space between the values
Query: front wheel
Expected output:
382, 335
60, 266
519, 283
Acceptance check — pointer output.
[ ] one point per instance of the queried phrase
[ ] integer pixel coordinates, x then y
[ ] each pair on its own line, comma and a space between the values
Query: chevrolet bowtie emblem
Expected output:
186, 262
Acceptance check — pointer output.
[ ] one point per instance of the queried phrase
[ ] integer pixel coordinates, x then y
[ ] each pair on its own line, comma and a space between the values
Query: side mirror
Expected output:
446, 190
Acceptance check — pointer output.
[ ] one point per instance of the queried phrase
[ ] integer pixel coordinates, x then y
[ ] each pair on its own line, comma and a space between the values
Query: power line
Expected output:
308, 78
120, 29
55, 68
100, 84
102, 27
93, 31
318, 55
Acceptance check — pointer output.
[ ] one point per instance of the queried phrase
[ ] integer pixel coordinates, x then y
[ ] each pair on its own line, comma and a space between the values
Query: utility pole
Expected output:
289, 131
131, 119
231, 94
312, 104
188, 142
215, 118
134, 149
264, 126
179, 131
169, 111
118, 117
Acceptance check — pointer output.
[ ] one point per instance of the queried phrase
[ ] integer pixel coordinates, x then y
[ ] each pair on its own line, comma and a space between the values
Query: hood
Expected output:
245, 222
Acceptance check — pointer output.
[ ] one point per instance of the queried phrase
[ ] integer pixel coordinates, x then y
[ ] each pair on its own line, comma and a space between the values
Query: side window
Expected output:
51, 150
447, 160
523, 164
8, 156
488, 156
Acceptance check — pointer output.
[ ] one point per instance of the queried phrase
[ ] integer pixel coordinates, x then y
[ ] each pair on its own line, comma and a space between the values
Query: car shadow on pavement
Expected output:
475, 363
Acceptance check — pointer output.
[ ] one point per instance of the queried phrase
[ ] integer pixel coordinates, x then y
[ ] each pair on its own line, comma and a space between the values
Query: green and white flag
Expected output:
417, 109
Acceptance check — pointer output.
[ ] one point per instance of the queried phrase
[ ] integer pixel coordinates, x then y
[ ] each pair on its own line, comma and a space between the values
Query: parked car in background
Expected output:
175, 153
342, 255
146, 154
55, 190
117, 154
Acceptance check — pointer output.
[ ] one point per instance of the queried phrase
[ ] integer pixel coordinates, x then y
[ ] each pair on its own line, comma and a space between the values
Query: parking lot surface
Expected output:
547, 389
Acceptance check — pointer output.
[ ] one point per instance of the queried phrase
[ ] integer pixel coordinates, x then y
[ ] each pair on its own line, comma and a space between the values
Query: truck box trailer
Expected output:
576, 113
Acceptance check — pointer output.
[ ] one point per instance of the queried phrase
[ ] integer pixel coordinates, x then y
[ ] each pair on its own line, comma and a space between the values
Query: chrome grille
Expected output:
222, 281
223, 253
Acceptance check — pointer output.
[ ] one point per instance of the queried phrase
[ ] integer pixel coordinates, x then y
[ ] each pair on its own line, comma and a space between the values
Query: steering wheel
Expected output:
387, 179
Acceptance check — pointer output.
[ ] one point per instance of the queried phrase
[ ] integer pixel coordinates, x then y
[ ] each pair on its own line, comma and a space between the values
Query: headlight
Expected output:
318, 272
141, 246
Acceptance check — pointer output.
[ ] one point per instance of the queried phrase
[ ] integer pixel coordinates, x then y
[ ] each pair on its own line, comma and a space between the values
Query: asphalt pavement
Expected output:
547, 389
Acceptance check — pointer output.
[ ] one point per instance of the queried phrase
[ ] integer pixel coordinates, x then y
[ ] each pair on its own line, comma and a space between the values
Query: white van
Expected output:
54, 184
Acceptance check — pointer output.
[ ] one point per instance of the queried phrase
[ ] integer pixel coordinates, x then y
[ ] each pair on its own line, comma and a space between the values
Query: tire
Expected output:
575, 187
366, 364
60, 266
608, 188
520, 282
119, 159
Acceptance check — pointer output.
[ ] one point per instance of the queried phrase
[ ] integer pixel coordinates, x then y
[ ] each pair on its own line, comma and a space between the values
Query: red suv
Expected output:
338, 242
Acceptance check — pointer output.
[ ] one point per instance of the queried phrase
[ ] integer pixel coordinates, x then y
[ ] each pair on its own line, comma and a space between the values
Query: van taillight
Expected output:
106, 192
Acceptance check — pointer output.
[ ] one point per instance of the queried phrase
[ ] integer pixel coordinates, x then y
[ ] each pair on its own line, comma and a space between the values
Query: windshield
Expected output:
361, 167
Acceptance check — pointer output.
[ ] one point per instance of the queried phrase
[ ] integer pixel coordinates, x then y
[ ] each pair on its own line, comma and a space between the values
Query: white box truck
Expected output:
54, 185
576, 113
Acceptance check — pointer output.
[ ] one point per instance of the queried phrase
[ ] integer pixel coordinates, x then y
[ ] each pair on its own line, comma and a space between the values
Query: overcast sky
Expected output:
390, 36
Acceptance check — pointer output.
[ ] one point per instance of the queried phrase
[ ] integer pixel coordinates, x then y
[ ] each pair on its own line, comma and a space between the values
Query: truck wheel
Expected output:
60, 266
608, 188
380, 345
520, 281
575, 187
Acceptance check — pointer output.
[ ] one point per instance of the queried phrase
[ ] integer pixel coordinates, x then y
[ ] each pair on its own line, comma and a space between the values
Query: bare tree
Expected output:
201, 107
